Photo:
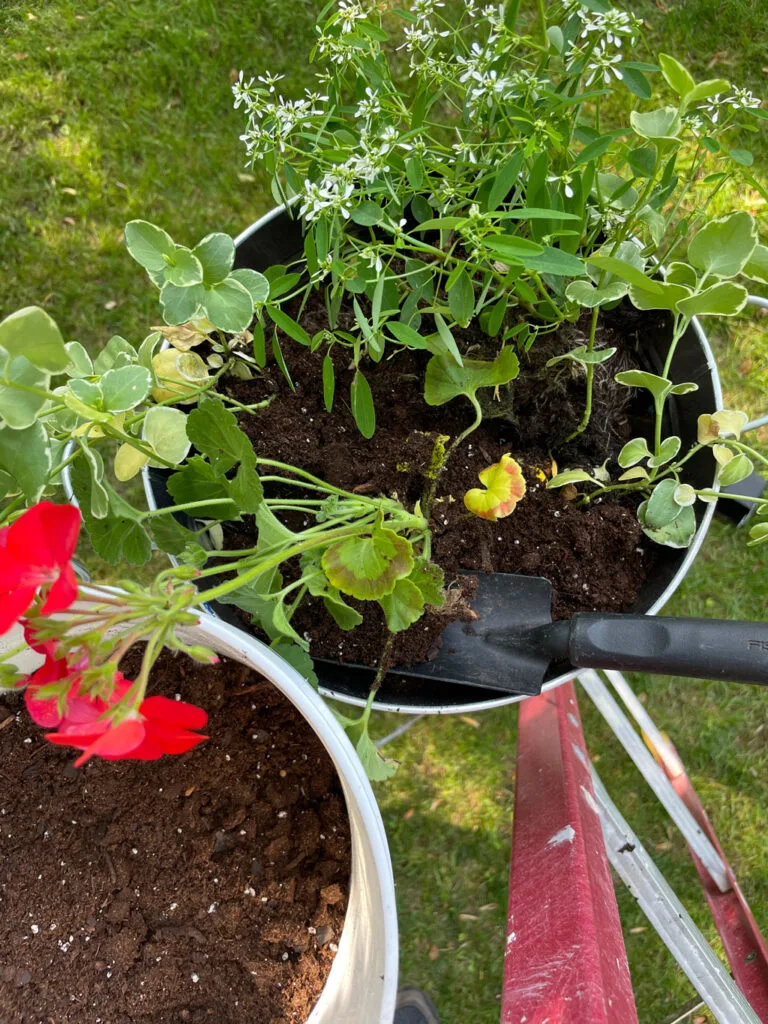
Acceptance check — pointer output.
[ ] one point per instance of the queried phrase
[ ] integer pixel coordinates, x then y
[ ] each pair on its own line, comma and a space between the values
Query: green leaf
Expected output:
448, 341
367, 214
758, 533
569, 476
505, 180
678, 533
170, 536
216, 254
128, 462
757, 266
197, 481
213, 430
585, 294
724, 246
681, 273
180, 305
80, 363
407, 336
662, 296
702, 91
246, 489
536, 213
662, 509
643, 160
668, 449
663, 123
403, 607
742, 157
722, 299
151, 247
445, 380
346, 618
429, 578
659, 387
185, 270
120, 536
736, 470
25, 455
582, 355
683, 389
625, 272
461, 299
329, 382
556, 262
254, 282
229, 306
512, 248
289, 326
634, 451
636, 82
99, 496
116, 353
676, 76
684, 495
362, 405
368, 567
377, 768
19, 409
596, 147
125, 388
297, 658
32, 333
165, 431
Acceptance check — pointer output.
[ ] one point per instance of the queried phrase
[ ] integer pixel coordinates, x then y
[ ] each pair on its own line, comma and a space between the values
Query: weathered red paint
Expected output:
565, 957
742, 940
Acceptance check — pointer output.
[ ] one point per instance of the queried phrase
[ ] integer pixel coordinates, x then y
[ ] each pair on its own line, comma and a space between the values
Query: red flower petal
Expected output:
44, 712
45, 536
174, 713
62, 593
116, 742
172, 741
13, 604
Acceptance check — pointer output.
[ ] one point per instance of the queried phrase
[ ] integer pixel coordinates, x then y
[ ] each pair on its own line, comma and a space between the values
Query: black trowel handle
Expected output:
701, 648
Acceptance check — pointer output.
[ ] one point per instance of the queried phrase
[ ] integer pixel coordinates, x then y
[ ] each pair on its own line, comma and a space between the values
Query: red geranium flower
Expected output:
45, 712
161, 726
35, 552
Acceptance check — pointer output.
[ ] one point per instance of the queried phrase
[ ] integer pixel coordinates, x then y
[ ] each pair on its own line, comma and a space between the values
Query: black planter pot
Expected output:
277, 238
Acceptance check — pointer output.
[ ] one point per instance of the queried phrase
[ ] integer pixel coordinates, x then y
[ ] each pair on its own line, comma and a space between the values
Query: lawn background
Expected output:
121, 109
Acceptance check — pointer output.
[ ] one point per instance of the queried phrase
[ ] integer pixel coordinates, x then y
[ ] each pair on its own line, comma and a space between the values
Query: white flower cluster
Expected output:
739, 99
272, 119
606, 32
613, 27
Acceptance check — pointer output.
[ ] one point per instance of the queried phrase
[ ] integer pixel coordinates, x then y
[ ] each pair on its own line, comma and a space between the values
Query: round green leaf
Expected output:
368, 567
675, 75
125, 388
165, 431
185, 270
585, 294
80, 363
724, 246
723, 299
663, 123
255, 282
148, 245
229, 306
446, 380
634, 451
675, 534
128, 462
32, 333
216, 254
19, 409
403, 607
661, 508
25, 455
684, 495
180, 305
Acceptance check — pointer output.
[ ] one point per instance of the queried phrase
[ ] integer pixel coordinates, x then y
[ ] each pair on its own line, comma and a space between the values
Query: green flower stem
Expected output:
429, 495
187, 506
735, 497
748, 451
7, 655
636, 486
543, 24
119, 435
590, 380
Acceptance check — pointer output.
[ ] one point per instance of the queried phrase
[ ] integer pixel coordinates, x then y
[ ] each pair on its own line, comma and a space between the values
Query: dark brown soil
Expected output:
596, 557
210, 887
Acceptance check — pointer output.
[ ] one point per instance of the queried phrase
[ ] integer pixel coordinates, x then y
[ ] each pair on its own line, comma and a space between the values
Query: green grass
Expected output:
112, 110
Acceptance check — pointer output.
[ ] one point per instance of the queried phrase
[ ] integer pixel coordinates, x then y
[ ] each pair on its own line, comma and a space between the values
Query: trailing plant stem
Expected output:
589, 381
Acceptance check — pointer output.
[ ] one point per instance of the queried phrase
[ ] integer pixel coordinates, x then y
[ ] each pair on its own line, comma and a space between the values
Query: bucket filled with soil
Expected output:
247, 880
595, 555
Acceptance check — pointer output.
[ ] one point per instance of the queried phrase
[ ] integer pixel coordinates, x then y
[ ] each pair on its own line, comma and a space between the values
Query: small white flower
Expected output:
743, 99
603, 65
270, 80
369, 106
565, 180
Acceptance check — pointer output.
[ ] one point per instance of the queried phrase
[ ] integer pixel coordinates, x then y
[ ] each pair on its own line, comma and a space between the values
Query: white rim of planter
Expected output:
362, 983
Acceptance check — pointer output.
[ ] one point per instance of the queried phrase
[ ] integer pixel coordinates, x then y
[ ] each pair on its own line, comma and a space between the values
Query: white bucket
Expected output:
362, 983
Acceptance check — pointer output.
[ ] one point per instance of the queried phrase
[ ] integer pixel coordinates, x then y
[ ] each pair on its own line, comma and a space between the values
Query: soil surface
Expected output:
596, 556
209, 887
